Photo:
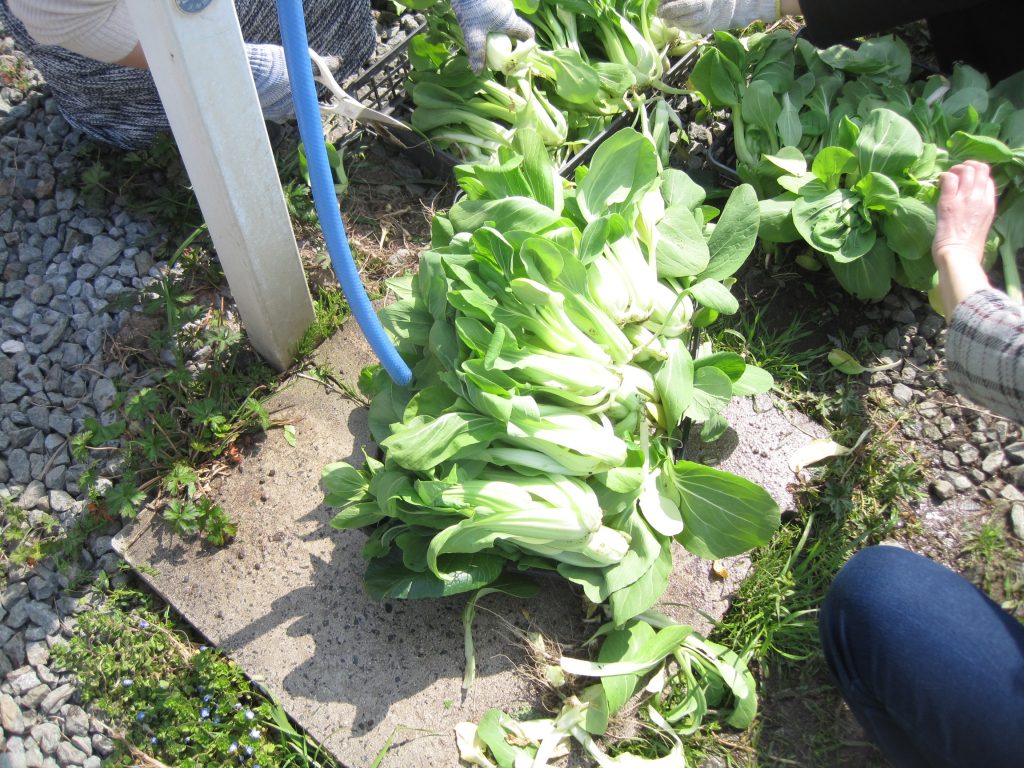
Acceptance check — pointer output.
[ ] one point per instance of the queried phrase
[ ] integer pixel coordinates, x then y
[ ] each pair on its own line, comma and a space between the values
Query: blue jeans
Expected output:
931, 667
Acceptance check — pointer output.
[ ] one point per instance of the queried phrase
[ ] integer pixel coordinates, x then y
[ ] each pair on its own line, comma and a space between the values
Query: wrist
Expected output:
960, 275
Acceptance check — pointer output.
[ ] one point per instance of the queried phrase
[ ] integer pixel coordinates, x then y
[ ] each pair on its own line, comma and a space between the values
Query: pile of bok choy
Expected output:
589, 63
559, 365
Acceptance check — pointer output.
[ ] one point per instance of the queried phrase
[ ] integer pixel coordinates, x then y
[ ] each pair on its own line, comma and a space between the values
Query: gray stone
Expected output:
92, 762
10, 715
104, 251
1015, 452
83, 743
14, 756
43, 617
76, 722
903, 394
960, 482
23, 680
993, 462
68, 754
33, 756
32, 699
1017, 520
1011, 493
57, 698
37, 653
968, 454
102, 744
943, 489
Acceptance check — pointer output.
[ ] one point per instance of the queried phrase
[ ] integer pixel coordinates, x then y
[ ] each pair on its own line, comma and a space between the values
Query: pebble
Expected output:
1017, 520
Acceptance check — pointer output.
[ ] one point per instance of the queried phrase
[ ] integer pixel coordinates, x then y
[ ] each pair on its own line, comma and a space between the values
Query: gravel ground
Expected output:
62, 263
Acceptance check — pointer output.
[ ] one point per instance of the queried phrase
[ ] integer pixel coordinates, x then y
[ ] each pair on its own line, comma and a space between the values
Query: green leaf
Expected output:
389, 578
423, 443
682, 250
753, 381
679, 189
344, 484
674, 381
506, 215
760, 107
828, 222
868, 277
964, 146
724, 514
910, 229
734, 235
717, 78
832, 163
776, 221
642, 594
623, 169
712, 391
622, 645
289, 434
878, 192
713, 295
888, 144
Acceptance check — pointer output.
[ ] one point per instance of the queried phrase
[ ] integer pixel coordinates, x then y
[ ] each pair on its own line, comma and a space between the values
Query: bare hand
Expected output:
966, 208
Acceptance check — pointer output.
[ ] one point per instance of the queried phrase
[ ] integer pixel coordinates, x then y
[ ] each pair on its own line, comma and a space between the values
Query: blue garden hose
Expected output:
311, 131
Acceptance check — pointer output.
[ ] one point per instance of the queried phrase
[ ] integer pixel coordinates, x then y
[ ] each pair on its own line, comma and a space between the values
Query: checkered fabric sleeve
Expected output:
985, 352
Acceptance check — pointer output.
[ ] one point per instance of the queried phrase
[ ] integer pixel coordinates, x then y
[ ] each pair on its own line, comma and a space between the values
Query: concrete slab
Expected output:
285, 599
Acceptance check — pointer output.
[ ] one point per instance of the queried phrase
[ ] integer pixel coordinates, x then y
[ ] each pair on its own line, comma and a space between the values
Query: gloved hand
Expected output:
478, 18
705, 16
270, 73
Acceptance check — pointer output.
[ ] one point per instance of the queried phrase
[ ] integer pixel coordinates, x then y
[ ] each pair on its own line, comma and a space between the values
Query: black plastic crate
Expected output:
382, 87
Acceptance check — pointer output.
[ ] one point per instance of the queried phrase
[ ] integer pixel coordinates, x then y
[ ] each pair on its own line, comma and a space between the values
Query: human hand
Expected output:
964, 214
270, 74
478, 18
705, 16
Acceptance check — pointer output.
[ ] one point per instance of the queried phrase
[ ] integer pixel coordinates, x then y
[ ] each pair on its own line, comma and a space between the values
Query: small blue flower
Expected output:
203, 648
204, 713
237, 706
249, 714
152, 740
141, 715
207, 697
254, 733
233, 747
143, 624
248, 751
127, 681
216, 720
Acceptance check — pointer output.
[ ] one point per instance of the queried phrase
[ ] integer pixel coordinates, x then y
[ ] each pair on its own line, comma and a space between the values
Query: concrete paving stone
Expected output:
285, 599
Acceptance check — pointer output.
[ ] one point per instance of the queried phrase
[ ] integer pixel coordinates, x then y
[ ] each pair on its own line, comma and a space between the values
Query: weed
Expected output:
172, 433
991, 559
172, 701
150, 181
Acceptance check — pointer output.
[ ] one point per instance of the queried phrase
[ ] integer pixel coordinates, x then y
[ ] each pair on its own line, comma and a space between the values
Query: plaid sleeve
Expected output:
985, 352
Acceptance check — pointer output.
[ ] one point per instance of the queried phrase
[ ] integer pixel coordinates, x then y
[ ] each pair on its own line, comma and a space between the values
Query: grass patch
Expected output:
992, 559
171, 700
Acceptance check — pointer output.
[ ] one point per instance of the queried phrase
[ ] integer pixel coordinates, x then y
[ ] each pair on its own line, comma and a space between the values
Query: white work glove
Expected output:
478, 18
703, 17
270, 73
